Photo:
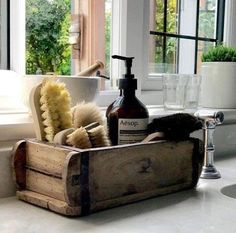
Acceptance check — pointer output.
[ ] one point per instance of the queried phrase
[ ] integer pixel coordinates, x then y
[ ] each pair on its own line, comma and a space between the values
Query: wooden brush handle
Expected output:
36, 112
91, 69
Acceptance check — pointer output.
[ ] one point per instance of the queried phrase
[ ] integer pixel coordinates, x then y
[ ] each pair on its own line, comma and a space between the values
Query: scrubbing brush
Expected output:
97, 135
175, 127
92, 135
84, 114
79, 138
50, 106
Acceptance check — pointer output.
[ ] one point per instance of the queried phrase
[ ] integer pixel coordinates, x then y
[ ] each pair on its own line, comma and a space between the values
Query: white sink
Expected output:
229, 191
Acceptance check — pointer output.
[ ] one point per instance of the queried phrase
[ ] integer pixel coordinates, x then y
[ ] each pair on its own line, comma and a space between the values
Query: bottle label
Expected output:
131, 130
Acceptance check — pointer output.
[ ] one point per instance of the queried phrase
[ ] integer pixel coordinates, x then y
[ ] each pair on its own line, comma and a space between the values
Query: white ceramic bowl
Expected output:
80, 88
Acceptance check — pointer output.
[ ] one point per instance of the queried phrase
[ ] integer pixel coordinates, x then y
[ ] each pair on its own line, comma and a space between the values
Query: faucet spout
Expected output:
210, 120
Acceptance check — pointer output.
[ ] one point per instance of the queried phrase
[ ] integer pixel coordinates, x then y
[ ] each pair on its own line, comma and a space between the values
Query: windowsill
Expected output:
16, 126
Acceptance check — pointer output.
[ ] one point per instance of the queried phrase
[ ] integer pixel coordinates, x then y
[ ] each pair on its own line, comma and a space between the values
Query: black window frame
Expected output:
219, 30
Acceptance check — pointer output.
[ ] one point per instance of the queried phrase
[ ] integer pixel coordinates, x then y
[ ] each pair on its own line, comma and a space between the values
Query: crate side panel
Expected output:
137, 169
44, 184
46, 157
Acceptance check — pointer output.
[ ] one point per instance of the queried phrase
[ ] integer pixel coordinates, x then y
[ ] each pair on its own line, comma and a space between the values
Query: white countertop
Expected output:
204, 209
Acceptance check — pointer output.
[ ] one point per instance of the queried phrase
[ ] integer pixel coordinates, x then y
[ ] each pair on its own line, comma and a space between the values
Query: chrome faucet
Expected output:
210, 120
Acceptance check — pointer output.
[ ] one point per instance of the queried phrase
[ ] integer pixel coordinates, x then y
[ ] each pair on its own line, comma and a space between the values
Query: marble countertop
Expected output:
204, 209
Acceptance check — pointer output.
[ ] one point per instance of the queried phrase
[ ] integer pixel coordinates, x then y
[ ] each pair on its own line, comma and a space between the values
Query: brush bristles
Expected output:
55, 106
86, 113
79, 138
98, 136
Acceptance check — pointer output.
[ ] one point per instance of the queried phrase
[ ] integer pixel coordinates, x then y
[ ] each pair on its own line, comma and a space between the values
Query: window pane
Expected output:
207, 17
3, 35
187, 22
47, 30
186, 55
108, 12
164, 18
172, 16
163, 59
52, 36
163, 50
203, 46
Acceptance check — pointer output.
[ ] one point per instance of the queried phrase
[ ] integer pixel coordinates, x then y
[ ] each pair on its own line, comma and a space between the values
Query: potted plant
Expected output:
218, 72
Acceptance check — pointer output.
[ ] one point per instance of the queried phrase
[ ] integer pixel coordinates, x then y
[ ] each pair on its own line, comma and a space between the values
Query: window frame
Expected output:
5, 34
130, 25
17, 30
154, 79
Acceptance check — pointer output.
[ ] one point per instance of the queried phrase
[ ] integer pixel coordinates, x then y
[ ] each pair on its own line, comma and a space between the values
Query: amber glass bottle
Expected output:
127, 117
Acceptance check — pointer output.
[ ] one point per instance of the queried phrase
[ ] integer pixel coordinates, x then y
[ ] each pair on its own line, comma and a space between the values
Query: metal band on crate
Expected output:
84, 184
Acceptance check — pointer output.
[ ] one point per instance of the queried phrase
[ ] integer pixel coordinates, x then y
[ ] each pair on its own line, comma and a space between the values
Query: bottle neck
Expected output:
127, 93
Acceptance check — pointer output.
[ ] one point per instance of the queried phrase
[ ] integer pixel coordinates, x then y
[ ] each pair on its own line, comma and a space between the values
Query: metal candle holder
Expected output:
210, 120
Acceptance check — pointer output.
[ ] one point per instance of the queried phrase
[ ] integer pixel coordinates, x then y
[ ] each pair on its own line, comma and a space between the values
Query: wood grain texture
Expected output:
101, 205
44, 184
130, 170
46, 157
36, 112
85, 181
71, 178
49, 203
18, 162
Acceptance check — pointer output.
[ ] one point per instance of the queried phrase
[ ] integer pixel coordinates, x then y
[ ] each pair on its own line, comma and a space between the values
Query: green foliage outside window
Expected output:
171, 28
107, 42
47, 48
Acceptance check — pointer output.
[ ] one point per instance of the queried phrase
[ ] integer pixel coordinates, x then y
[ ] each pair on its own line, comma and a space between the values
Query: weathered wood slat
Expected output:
138, 196
124, 171
46, 157
49, 203
44, 184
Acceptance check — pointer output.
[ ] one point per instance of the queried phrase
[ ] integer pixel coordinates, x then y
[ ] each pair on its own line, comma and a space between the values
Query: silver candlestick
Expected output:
210, 120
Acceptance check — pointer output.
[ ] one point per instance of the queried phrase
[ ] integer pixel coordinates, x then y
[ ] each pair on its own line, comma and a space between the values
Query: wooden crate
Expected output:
78, 182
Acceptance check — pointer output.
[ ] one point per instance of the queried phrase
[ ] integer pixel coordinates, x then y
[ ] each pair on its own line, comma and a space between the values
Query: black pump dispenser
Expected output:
128, 81
127, 116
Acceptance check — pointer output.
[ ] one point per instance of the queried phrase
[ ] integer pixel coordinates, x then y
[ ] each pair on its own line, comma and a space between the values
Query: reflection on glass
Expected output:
156, 53
172, 16
164, 19
207, 16
163, 50
203, 46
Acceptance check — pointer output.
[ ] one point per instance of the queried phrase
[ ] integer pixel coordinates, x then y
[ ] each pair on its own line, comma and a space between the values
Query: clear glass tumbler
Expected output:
193, 91
174, 91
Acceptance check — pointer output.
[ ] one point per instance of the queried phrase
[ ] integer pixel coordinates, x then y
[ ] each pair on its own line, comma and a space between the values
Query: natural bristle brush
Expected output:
56, 122
86, 113
175, 127
92, 135
97, 135
50, 105
79, 138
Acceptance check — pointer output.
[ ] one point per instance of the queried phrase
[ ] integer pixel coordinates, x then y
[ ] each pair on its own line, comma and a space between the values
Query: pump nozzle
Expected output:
128, 62
128, 81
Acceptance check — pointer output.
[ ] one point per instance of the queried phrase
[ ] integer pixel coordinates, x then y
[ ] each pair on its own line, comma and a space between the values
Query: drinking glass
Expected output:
174, 91
193, 91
